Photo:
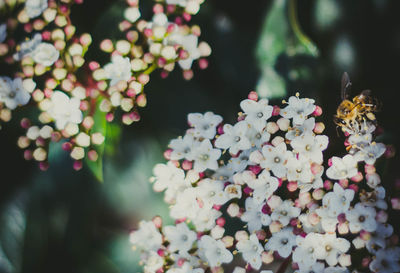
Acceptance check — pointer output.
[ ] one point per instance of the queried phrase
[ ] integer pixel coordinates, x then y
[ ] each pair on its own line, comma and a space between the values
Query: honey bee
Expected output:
352, 113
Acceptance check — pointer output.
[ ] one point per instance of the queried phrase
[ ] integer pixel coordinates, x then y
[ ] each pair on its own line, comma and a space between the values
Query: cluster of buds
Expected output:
268, 173
74, 96
148, 45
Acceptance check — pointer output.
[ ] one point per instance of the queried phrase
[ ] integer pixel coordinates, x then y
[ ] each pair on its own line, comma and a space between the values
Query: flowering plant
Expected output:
260, 188
76, 98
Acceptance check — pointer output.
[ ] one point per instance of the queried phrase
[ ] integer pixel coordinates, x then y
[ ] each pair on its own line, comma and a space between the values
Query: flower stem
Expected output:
150, 69
284, 265
294, 23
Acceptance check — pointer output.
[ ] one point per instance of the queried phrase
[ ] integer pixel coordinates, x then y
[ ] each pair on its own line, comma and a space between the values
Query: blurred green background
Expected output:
66, 221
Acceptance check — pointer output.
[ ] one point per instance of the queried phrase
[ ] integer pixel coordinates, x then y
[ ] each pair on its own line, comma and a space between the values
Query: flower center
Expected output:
205, 157
260, 115
12, 95
361, 218
206, 127
284, 212
237, 138
310, 250
277, 160
184, 237
258, 135
284, 241
308, 147
328, 248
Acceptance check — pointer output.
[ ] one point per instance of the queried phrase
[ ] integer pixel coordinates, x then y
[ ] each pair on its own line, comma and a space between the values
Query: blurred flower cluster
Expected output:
73, 98
261, 188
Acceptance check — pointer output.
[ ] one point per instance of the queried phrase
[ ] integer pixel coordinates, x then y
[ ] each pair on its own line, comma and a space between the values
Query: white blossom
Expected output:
297, 130
298, 109
34, 8
251, 250
118, 70
310, 146
204, 125
147, 236
361, 218
190, 44
132, 14
183, 147
27, 47
64, 110
45, 54
338, 200
342, 168
257, 113
254, 216
205, 218
13, 92
234, 138
284, 212
180, 237
275, 159
329, 247
386, 261
264, 186
214, 251
205, 156
370, 153
282, 242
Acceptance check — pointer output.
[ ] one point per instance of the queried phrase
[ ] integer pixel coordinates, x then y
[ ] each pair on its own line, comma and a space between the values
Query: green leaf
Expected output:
100, 126
281, 34
112, 138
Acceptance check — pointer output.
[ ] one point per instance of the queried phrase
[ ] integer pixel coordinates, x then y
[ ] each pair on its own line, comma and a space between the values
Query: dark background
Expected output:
66, 221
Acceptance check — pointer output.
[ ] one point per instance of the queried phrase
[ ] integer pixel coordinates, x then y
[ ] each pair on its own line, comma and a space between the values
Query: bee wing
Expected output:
346, 86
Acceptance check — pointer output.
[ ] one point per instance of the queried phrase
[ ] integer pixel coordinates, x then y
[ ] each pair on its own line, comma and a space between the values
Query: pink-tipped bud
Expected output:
365, 235
313, 218
276, 110
316, 168
382, 216
92, 155
171, 28
157, 221
48, 93
28, 27
319, 127
78, 2
187, 165
148, 32
261, 235
94, 65
357, 178
247, 190
67, 146
133, 3
221, 221
203, 63
369, 169
353, 187
292, 186
390, 151
343, 228
256, 169
141, 100
158, 8
28, 155
25, 123
171, 8
317, 112
161, 252
186, 16
328, 185
77, 165
43, 166
188, 74
109, 117
395, 203
178, 21
266, 209
181, 261
144, 79
46, 35
330, 162
253, 96
107, 45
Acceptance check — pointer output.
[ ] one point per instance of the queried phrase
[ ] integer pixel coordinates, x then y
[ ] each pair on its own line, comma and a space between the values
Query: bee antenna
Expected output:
346, 85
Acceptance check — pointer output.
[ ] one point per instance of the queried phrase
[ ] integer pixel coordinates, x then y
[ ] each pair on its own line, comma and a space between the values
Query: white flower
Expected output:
211, 192
342, 168
132, 14
45, 54
147, 236
275, 159
371, 152
299, 170
34, 8
180, 237
204, 125
316, 267
361, 218
310, 146
264, 186
64, 110
301, 129
257, 137
378, 237
336, 269
282, 242
153, 262
251, 250
171, 178
234, 138
386, 261
3, 32
118, 70
13, 92
27, 47
186, 205
316, 181
233, 191
254, 216
190, 44
337, 201
327, 221
284, 212
329, 247
183, 147
298, 109
239, 163
205, 218
304, 252
257, 112
213, 251
205, 156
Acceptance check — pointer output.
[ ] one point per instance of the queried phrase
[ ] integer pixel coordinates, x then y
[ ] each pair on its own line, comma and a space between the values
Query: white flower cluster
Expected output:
34, 8
272, 179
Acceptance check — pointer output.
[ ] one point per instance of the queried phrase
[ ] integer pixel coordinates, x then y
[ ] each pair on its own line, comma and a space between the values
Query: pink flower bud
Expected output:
171, 8
357, 178
319, 127
92, 155
343, 228
67, 146
94, 65
344, 183
167, 154
188, 74
77, 165
253, 96
256, 169
221, 221
157, 221
292, 186
276, 110
261, 235
203, 63
330, 162
313, 218
315, 168
187, 165
395, 203
328, 185
28, 155
353, 187
43, 165
133, 3
247, 190
178, 21
369, 169
186, 16
318, 111
141, 100
158, 8
148, 32
143, 79
28, 27
25, 123
160, 252
46, 35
